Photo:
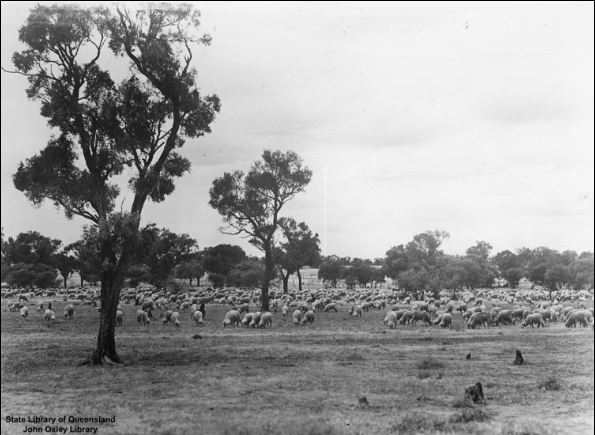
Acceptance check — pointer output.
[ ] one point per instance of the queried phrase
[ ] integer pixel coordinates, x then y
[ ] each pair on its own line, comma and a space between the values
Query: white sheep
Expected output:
232, 317
166, 317
330, 307
175, 318
533, 319
142, 318
68, 311
24, 312
308, 317
284, 310
297, 317
266, 320
247, 319
48, 316
255, 319
391, 319
197, 317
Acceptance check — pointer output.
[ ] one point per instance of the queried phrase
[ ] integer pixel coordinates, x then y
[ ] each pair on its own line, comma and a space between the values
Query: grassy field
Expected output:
307, 380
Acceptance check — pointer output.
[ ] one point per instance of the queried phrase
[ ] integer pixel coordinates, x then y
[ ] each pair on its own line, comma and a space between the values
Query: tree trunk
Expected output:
65, 278
268, 274
299, 279
105, 353
285, 278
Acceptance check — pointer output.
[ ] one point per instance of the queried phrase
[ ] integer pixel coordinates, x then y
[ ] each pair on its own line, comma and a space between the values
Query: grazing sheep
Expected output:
462, 308
255, 319
166, 317
517, 314
284, 310
330, 307
308, 317
266, 320
356, 310
533, 319
583, 317
24, 312
232, 317
391, 319
40, 307
449, 308
421, 315
438, 319
297, 317
407, 317
175, 317
119, 318
197, 317
247, 319
446, 320
479, 319
142, 318
68, 311
504, 317
564, 312
48, 316
185, 306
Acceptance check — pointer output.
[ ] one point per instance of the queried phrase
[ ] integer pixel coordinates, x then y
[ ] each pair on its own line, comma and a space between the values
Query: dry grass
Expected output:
296, 380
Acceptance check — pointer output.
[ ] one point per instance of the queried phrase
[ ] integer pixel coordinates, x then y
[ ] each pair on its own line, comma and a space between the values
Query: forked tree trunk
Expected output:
106, 353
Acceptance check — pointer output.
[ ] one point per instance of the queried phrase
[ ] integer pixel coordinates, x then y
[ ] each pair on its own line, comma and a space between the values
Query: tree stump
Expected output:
474, 393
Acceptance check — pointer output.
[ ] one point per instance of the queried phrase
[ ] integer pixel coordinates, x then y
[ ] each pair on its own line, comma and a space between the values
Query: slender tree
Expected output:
302, 248
103, 127
250, 204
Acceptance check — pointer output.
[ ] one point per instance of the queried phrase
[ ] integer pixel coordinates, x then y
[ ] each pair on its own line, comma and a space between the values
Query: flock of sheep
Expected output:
506, 307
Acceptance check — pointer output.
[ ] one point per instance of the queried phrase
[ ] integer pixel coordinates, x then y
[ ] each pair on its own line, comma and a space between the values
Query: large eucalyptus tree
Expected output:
106, 129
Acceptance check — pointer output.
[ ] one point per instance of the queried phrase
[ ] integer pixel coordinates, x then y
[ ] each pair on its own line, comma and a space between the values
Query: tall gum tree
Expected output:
104, 129
250, 204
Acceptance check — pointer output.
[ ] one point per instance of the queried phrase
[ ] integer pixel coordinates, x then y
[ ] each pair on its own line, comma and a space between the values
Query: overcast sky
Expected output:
470, 118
